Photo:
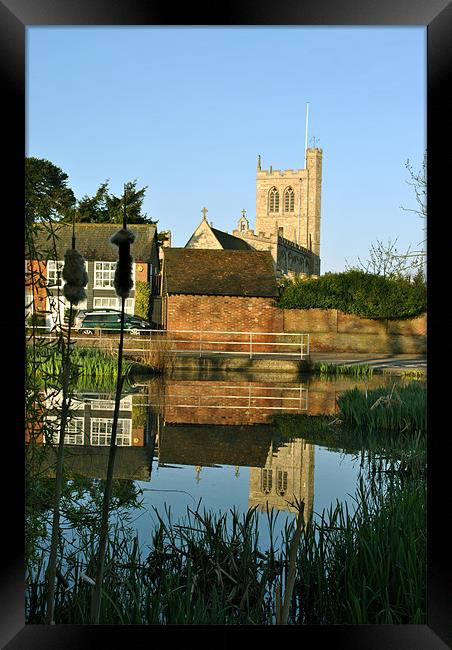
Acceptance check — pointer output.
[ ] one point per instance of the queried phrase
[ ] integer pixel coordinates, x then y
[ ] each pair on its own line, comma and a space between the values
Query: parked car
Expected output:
110, 320
81, 313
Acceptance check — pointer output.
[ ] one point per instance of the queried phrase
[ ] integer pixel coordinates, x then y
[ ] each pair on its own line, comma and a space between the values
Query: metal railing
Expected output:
199, 343
279, 398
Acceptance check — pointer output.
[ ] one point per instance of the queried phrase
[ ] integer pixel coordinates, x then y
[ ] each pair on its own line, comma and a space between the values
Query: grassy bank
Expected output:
87, 365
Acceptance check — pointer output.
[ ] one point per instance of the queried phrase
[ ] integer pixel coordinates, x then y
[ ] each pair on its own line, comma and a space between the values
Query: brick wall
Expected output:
334, 331
225, 314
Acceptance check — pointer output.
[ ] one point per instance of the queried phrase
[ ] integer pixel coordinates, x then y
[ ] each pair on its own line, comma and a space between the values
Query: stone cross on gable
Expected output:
204, 211
244, 212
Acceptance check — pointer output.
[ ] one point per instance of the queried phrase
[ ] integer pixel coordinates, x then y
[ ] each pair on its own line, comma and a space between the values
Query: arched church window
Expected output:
273, 200
289, 200
281, 482
267, 480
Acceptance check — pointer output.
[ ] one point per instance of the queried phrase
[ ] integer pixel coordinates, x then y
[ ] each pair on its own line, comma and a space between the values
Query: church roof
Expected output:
230, 242
219, 272
92, 240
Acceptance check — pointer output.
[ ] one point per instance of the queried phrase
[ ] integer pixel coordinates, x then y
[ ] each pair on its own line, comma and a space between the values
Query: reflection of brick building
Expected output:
229, 402
288, 473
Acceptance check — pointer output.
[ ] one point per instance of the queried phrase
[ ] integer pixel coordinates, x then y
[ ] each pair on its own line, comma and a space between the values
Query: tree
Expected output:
385, 260
47, 195
104, 207
418, 180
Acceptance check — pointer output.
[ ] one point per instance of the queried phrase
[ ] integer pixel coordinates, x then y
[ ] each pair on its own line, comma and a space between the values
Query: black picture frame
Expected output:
15, 17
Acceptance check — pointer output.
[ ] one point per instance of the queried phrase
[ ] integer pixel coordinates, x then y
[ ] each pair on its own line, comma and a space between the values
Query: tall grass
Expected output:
87, 365
365, 567
357, 370
398, 409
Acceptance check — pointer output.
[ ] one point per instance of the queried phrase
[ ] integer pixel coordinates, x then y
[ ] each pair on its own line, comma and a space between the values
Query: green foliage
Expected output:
47, 195
399, 409
36, 320
357, 292
104, 207
355, 370
142, 299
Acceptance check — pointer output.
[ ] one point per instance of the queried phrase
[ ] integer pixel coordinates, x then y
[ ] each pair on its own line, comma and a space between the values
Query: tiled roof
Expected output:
219, 272
92, 240
204, 444
230, 242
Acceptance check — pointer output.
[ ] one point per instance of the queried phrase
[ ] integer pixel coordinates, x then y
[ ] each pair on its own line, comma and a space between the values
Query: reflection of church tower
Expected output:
288, 473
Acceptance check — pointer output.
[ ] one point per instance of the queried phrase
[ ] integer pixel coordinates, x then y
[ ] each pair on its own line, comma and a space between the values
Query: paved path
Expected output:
392, 362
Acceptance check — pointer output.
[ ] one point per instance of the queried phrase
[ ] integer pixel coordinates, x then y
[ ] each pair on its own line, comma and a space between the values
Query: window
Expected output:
281, 482
242, 226
267, 480
273, 200
74, 431
101, 431
104, 275
113, 303
289, 200
54, 273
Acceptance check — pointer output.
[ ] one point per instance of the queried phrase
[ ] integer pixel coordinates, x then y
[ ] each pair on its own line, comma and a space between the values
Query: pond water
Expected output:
216, 444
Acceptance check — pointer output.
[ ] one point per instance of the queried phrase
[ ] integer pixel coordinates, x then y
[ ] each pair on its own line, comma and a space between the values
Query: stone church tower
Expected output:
289, 201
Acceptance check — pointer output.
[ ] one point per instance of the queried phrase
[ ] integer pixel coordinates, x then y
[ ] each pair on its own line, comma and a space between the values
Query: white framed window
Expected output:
104, 275
101, 432
112, 302
74, 431
54, 273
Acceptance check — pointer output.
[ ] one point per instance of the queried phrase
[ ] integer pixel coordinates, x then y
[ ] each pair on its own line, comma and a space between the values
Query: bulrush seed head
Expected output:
123, 275
75, 275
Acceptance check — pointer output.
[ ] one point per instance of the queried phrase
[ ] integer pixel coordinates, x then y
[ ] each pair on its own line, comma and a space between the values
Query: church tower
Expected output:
288, 202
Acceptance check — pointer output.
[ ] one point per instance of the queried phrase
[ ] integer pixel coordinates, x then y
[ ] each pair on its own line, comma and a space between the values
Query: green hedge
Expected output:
142, 299
359, 293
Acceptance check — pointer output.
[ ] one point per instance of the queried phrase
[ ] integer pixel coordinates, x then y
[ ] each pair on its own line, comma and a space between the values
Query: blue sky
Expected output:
186, 111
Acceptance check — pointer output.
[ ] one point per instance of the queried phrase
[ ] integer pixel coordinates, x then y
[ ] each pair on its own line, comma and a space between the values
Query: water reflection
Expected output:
166, 425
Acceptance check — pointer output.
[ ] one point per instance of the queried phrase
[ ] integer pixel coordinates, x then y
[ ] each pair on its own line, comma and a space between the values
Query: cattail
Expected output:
123, 275
75, 275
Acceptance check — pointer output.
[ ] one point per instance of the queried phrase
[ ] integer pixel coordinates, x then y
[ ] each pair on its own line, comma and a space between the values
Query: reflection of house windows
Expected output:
113, 303
104, 274
54, 273
281, 482
74, 431
101, 431
267, 480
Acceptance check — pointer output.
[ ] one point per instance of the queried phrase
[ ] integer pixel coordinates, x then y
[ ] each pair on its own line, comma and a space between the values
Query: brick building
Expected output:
44, 282
221, 290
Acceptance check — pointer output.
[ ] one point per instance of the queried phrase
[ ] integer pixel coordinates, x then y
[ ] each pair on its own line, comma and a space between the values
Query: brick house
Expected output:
220, 290
43, 273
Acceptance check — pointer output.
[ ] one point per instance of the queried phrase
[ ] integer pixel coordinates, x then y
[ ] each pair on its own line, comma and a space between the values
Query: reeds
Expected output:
357, 370
89, 364
399, 409
351, 568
